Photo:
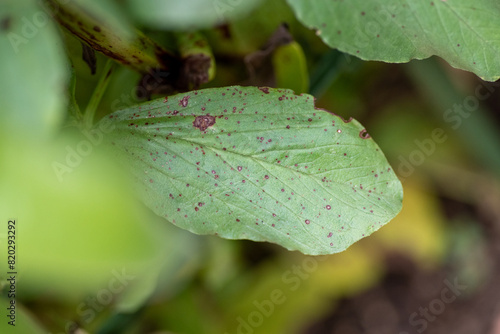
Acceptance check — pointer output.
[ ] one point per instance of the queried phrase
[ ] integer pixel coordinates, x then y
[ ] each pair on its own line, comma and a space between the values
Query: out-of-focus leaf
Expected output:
239, 38
257, 163
34, 70
188, 14
298, 288
419, 230
79, 230
465, 34
24, 322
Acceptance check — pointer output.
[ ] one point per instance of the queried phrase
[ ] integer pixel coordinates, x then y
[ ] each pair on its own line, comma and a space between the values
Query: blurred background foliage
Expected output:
92, 259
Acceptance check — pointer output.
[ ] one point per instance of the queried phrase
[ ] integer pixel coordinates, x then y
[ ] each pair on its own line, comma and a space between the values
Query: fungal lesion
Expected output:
203, 122
364, 134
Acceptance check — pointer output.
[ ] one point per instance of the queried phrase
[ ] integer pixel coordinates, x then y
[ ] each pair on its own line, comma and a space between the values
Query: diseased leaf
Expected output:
257, 163
462, 32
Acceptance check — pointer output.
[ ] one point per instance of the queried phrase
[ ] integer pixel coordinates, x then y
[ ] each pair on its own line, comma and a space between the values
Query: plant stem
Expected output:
130, 48
328, 69
73, 106
199, 61
88, 116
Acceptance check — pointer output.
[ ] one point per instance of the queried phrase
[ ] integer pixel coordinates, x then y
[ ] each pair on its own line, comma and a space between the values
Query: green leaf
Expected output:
189, 14
257, 163
34, 70
463, 33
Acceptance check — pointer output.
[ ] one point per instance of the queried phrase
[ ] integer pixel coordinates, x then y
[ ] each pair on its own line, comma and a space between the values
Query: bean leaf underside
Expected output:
462, 32
257, 163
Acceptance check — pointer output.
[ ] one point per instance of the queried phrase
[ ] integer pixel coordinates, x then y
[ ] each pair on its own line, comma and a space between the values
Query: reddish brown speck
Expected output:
328, 207
265, 90
240, 168
266, 177
184, 101
196, 208
308, 221
329, 235
166, 99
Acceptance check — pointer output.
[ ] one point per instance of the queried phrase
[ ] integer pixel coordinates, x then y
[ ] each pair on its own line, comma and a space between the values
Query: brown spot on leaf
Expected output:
264, 89
184, 101
5, 23
203, 122
364, 134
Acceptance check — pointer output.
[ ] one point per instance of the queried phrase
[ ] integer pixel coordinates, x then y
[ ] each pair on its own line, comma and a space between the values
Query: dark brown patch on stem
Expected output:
88, 56
203, 122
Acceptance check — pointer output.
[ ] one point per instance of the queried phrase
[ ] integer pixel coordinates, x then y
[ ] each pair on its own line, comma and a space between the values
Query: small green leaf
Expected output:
257, 163
188, 14
462, 32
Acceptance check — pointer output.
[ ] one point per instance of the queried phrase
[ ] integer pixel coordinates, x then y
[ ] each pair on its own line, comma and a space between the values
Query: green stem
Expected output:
328, 69
73, 106
102, 84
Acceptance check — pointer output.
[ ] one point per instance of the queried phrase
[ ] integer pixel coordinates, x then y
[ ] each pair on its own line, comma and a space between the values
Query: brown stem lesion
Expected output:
172, 69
